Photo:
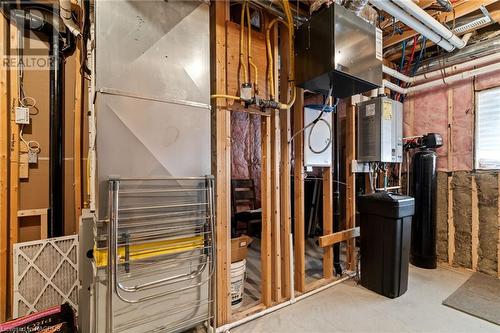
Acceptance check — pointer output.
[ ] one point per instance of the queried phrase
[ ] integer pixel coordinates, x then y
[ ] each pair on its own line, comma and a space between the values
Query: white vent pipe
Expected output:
430, 22
445, 80
413, 23
440, 72
65, 13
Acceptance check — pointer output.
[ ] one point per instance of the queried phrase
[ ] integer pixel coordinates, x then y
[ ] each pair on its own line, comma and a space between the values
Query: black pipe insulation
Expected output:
56, 139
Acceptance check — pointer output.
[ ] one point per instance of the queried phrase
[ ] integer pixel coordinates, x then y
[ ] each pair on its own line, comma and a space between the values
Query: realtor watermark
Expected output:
31, 62
32, 32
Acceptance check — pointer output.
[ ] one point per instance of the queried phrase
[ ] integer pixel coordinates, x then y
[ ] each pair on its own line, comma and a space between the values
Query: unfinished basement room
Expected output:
260, 166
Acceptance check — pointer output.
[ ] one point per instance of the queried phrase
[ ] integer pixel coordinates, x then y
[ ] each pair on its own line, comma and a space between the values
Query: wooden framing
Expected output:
276, 271
327, 222
451, 225
77, 139
299, 242
350, 178
221, 160
276, 280
276, 208
475, 224
43, 213
265, 248
285, 175
14, 155
4, 172
340, 236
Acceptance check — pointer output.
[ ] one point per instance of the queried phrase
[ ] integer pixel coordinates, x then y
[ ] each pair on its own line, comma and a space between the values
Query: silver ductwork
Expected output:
356, 6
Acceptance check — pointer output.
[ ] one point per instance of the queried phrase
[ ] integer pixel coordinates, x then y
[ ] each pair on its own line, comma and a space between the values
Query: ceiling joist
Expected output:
461, 9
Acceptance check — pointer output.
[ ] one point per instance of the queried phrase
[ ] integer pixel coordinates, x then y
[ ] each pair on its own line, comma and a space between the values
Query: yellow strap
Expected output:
152, 249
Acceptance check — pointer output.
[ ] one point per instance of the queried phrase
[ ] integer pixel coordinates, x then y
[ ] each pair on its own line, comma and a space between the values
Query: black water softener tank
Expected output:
423, 233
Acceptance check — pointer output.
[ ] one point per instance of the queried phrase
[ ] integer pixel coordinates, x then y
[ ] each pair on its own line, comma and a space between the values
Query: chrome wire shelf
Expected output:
155, 255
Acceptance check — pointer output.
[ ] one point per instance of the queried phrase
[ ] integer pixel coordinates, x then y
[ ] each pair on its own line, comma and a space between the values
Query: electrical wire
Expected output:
32, 145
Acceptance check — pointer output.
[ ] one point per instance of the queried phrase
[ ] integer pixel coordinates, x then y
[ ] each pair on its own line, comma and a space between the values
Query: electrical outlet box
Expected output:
22, 115
32, 157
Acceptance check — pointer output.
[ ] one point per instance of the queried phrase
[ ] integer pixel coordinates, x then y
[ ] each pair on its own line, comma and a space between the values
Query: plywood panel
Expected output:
259, 56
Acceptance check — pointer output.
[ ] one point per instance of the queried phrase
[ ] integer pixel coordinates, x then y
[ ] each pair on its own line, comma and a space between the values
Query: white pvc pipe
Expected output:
413, 23
65, 14
442, 72
430, 22
227, 327
441, 81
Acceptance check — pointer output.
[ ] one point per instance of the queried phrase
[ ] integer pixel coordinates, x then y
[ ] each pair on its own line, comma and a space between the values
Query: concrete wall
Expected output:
468, 218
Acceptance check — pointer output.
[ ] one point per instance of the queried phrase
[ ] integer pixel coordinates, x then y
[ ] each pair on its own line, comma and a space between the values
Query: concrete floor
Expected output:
348, 307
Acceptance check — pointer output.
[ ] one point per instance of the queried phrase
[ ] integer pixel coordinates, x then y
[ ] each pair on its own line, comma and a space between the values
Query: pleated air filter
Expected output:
45, 274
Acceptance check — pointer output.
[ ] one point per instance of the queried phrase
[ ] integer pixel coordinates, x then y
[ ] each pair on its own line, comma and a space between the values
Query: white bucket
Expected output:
237, 283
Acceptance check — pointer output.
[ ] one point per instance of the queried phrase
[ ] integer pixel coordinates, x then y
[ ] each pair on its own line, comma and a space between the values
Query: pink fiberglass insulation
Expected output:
431, 115
246, 148
430, 110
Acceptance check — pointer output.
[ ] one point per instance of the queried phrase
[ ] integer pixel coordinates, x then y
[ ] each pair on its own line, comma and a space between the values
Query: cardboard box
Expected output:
239, 247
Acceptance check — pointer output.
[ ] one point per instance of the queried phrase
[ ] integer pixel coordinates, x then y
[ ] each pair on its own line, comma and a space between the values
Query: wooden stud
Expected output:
221, 160
350, 180
327, 222
337, 237
276, 193
451, 225
77, 140
475, 224
299, 242
285, 196
265, 250
14, 155
276, 207
4, 173
450, 130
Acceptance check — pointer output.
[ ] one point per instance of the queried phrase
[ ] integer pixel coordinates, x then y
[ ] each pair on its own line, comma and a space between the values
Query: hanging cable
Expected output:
313, 123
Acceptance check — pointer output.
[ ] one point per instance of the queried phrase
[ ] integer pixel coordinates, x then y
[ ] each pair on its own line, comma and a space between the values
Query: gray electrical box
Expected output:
380, 131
